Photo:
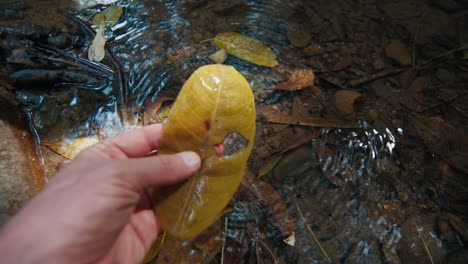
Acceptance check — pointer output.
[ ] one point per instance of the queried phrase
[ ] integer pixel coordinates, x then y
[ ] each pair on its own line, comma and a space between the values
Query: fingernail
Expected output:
191, 159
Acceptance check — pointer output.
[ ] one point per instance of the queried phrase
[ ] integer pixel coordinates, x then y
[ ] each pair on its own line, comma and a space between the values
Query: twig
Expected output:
275, 259
331, 81
224, 240
312, 233
442, 55
424, 242
122, 89
257, 254
416, 37
374, 77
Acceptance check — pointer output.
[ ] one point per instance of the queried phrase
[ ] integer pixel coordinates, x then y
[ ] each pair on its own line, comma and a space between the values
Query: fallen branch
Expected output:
374, 77
307, 121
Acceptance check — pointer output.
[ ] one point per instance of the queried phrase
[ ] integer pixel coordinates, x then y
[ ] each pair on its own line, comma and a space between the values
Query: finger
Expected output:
135, 239
158, 170
136, 143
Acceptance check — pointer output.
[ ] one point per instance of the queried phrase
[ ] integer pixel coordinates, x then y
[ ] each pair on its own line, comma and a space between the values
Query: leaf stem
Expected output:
206, 40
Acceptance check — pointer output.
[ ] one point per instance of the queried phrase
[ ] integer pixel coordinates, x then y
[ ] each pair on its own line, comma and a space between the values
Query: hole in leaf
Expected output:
233, 143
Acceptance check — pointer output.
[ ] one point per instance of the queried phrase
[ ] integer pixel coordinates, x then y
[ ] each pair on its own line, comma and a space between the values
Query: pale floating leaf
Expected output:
219, 56
96, 51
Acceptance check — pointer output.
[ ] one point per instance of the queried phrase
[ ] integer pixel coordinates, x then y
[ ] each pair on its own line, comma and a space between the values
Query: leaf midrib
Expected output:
204, 151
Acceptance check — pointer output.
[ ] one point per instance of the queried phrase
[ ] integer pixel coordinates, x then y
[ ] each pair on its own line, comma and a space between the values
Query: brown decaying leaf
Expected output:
299, 79
307, 120
210, 241
150, 114
203, 247
271, 162
215, 102
273, 203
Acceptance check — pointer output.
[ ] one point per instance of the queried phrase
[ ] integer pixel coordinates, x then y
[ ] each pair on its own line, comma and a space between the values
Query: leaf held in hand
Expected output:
246, 48
214, 115
299, 79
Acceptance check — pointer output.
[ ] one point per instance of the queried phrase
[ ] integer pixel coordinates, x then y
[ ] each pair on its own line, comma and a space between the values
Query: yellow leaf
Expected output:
214, 115
246, 48
109, 16
155, 248
71, 148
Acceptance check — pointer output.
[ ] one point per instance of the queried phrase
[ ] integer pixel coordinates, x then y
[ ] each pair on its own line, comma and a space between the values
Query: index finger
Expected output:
133, 144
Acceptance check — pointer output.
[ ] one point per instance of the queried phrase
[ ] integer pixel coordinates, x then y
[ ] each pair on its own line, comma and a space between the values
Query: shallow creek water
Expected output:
393, 190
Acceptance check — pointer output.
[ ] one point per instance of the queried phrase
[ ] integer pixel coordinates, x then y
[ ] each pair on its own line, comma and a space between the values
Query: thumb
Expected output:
159, 170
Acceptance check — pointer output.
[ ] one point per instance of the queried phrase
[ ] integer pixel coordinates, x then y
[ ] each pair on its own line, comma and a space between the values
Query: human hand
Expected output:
96, 208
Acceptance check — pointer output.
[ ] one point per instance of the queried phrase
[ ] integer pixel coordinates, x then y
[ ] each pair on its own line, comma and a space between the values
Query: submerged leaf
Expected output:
214, 115
274, 205
96, 51
246, 48
273, 160
307, 120
299, 79
71, 148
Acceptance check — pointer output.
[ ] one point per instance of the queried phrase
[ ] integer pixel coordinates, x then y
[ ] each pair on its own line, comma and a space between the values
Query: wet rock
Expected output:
195, 3
407, 77
419, 245
379, 63
16, 186
458, 257
298, 36
291, 56
314, 49
296, 162
346, 102
60, 41
227, 7
445, 76
364, 252
448, 5
398, 52
342, 64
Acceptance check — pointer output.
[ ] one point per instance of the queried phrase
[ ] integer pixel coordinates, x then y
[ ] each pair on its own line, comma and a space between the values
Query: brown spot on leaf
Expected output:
207, 124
